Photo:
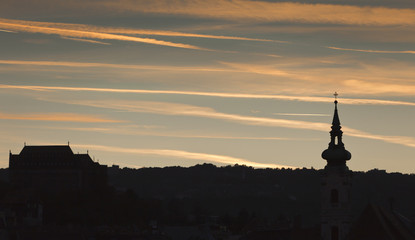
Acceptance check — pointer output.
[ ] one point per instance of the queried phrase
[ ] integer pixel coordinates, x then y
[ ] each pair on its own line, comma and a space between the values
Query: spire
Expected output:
336, 131
336, 120
336, 154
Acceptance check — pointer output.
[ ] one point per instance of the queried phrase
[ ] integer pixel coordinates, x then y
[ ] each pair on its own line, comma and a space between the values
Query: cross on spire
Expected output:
335, 95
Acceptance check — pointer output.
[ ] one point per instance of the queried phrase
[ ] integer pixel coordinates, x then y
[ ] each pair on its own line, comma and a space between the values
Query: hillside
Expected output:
268, 194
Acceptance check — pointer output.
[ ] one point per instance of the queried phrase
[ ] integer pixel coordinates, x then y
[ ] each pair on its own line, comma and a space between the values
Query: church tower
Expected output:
336, 185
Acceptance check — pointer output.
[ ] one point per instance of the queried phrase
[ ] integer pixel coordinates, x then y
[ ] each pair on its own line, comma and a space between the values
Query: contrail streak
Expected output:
372, 51
110, 65
196, 111
130, 31
32, 28
351, 101
57, 117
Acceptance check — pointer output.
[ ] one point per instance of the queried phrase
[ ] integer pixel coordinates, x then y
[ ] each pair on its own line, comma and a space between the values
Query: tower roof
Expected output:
336, 120
336, 154
47, 150
50, 154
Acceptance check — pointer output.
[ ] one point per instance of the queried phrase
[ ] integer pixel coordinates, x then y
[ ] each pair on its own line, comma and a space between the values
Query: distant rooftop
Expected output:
61, 149
54, 153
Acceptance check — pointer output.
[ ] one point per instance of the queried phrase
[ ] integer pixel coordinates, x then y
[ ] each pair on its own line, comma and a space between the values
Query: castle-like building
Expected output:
55, 168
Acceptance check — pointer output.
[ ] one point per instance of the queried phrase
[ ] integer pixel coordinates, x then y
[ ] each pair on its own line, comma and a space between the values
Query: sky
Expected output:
144, 83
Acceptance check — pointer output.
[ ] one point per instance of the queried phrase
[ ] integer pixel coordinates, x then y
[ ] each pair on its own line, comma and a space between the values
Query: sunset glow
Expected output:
182, 82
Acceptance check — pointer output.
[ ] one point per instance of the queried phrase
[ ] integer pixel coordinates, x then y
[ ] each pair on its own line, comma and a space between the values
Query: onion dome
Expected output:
336, 154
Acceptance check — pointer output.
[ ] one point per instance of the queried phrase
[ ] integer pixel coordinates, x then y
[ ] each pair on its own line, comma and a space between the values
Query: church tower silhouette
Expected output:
336, 185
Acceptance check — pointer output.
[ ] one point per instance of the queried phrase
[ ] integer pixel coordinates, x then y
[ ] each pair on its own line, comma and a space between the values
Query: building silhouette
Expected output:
337, 222
336, 186
55, 168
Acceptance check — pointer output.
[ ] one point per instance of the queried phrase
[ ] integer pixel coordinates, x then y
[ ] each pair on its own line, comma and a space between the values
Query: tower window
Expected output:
334, 233
334, 196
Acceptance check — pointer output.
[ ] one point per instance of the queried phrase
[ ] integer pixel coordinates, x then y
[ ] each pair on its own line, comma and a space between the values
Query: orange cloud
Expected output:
131, 31
184, 155
32, 27
269, 11
77, 32
381, 88
57, 117
309, 76
237, 10
181, 34
371, 51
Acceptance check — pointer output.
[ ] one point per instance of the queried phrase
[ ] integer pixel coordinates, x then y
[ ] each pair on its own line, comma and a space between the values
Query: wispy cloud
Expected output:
8, 31
401, 140
381, 88
236, 10
266, 70
371, 51
58, 117
166, 108
319, 76
196, 111
138, 131
263, 11
86, 40
32, 27
119, 66
181, 34
212, 94
183, 155
304, 76
302, 114
132, 31
78, 32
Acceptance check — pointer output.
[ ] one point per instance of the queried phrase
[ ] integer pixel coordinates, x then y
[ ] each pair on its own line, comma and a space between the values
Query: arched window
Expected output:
334, 196
334, 233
